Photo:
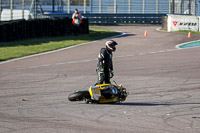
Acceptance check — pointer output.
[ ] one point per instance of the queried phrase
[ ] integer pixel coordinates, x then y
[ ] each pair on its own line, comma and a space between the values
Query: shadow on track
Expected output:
150, 104
127, 35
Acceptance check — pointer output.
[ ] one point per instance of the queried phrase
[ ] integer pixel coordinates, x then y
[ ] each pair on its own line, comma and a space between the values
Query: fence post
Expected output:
0, 9
190, 7
143, 10
173, 6
169, 6
84, 6
35, 9
182, 7
157, 7
90, 6
68, 6
129, 6
196, 8
11, 9
22, 9
53, 5
115, 6
99, 6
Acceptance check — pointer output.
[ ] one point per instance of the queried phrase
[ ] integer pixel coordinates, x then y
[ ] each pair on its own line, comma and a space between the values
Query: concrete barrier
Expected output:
183, 22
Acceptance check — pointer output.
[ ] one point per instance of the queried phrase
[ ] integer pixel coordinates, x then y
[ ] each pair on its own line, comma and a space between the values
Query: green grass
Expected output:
185, 31
9, 50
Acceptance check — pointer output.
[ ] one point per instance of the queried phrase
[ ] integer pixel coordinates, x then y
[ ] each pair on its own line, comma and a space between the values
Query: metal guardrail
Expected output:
116, 18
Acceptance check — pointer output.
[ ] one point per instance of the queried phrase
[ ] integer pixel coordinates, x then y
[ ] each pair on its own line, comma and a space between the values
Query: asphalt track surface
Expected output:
163, 83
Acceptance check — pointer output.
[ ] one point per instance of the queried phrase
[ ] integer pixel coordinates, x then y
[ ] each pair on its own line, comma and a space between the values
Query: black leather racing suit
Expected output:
104, 66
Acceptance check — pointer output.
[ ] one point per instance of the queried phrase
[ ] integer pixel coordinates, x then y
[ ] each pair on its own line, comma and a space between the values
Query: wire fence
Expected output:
184, 7
32, 9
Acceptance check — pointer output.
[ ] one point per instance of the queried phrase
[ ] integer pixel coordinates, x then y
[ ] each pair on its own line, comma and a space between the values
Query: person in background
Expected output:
76, 21
105, 66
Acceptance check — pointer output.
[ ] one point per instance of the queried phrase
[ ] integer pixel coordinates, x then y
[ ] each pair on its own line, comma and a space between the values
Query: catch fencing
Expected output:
34, 8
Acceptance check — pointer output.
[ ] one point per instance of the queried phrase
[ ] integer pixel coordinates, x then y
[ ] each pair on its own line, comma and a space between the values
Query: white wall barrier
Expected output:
16, 14
183, 22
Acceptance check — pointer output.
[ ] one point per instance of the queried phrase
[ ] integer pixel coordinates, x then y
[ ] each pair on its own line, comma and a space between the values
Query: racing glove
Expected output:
111, 74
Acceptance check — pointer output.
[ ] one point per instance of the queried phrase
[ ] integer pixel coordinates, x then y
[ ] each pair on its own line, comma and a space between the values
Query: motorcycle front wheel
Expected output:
79, 96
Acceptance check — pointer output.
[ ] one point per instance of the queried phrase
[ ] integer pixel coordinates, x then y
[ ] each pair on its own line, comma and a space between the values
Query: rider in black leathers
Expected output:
105, 65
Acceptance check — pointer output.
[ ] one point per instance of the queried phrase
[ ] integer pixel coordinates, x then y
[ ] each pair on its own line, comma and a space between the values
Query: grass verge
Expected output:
186, 31
10, 50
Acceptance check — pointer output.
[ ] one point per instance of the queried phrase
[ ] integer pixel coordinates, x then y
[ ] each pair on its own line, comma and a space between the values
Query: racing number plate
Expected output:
97, 91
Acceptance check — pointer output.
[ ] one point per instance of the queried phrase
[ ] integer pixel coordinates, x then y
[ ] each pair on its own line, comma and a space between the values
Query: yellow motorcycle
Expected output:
102, 93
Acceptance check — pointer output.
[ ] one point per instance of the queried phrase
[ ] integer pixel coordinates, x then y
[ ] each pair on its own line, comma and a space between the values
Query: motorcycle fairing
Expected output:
95, 92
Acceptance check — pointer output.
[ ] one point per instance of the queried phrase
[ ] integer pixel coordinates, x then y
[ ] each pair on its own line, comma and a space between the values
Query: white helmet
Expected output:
111, 45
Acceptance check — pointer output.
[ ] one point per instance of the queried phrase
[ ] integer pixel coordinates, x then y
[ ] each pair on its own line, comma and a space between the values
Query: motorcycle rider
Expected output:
105, 65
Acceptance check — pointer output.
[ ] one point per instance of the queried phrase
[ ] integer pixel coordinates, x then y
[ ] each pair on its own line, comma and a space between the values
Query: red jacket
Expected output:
74, 17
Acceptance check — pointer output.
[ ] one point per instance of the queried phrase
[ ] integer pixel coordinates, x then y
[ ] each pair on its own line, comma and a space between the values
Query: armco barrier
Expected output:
115, 18
26, 29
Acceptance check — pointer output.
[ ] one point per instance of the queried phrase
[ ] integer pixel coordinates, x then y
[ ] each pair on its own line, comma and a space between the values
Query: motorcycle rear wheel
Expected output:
79, 96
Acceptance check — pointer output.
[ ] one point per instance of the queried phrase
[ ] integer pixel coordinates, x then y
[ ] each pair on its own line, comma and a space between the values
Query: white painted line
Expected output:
152, 52
21, 58
90, 60
84, 61
21, 68
57, 64
45, 65
60, 63
33, 67
169, 50
142, 53
72, 62
122, 56
161, 51
129, 55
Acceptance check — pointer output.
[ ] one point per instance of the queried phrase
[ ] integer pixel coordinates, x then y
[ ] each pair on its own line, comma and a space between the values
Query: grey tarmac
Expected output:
162, 81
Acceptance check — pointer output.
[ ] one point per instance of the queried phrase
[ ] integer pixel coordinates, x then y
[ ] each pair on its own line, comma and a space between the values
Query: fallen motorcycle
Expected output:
102, 93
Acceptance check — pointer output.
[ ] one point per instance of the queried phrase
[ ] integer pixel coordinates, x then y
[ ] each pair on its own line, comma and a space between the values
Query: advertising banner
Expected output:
183, 22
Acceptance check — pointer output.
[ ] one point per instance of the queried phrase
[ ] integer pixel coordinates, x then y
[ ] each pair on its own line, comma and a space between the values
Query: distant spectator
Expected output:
76, 21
